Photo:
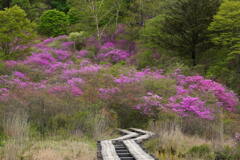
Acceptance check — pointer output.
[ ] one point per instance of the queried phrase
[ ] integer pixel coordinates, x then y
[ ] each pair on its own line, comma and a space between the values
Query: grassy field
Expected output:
51, 149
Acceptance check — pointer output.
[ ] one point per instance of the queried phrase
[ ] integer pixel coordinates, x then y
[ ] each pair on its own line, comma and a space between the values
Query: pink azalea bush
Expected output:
109, 52
150, 103
67, 76
4, 93
105, 93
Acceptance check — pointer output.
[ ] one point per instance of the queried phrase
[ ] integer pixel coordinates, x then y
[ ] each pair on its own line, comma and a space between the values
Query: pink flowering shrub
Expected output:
108, 51
76, 91
108, 45
61, 54
106, 93
41, 59
55, 71
75, 81
58, 89
19, 75
226, 98
114, 55
10, 63
189, 98
4, 93
82, 53
151, 103
187, 105
138, 76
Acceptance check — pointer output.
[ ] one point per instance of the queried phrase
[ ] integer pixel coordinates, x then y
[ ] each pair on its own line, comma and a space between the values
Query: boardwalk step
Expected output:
125, 147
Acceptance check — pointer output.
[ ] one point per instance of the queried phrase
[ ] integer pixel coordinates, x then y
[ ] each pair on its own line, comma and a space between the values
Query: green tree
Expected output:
225, 33
80, 20
152, 34
15, 29
24, 4
53, 23
60, 5
95, 15
225, 28
138, 11
186, 24
37, 8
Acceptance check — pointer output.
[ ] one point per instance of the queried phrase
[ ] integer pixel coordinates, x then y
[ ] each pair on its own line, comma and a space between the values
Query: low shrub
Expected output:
228, 153
202, 151
78, 39
53, 23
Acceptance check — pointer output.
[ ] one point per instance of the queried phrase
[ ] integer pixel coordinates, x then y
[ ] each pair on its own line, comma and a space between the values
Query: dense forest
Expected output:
72, 71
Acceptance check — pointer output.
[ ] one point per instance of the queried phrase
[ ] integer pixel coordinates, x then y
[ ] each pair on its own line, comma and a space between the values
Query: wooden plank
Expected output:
125, 147
108, 151
128, 135
141, 138
137, 152
143, 131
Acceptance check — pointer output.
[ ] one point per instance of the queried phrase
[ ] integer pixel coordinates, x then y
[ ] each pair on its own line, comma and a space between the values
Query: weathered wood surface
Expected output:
137, 151
145, 135
128, 135
108, 151
125, 147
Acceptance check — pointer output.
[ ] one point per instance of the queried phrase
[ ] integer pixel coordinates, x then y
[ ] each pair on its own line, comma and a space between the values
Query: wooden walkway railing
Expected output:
126, 147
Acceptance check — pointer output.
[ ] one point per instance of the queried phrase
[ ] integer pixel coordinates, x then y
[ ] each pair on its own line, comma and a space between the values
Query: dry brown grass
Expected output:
16, 128
16, 125
61, 150
47, 154
176, 140
171, 142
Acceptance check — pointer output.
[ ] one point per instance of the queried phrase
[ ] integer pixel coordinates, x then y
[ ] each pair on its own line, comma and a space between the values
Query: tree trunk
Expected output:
194, 56
141, 13
97, 27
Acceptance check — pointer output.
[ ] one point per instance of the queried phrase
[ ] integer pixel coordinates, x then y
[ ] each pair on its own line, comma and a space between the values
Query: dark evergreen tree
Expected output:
186, 24
5, 4
60, 5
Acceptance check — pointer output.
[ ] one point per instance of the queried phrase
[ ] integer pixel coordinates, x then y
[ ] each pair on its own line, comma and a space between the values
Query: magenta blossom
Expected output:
11, 63
90, 69
67, 45
75, 81
58, 89
106, 93
20, 75
61, 54
82, 53
108, 45
114, 55
226, 97
42, 59
4, 93
188, 105
151, 103
76, 91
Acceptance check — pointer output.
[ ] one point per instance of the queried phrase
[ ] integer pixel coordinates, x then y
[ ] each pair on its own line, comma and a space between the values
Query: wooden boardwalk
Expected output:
126, 147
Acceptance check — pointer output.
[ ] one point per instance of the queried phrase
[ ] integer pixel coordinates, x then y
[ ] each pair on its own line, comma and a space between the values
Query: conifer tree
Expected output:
186, 25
